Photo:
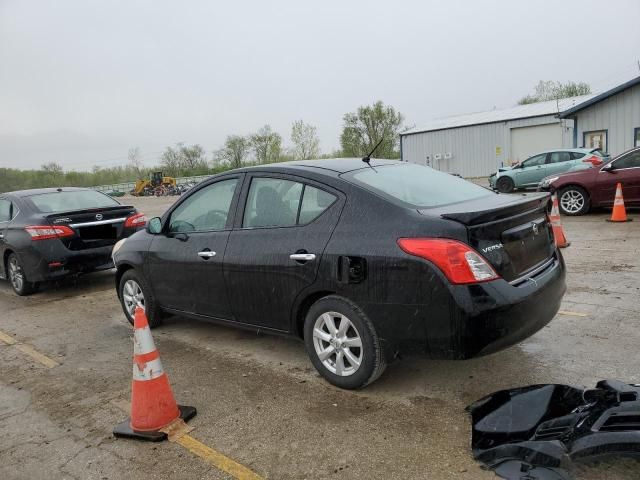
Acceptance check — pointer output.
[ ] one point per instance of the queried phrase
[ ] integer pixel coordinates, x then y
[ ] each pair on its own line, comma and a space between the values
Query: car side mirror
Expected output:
154, 226
608, 167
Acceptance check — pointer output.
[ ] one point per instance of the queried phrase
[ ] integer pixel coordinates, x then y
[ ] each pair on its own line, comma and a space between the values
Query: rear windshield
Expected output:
66, 201
418, 186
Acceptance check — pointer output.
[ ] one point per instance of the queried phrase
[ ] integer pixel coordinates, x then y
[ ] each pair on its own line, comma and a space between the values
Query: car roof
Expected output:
579, 150
39, 191
335, 165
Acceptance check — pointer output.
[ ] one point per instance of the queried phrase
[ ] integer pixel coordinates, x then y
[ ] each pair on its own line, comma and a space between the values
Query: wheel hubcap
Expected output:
15, 274
337, 344
133, 297
572, 201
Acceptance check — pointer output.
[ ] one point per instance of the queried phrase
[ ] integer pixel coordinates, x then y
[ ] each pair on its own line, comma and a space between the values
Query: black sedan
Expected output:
49, 233
362, 261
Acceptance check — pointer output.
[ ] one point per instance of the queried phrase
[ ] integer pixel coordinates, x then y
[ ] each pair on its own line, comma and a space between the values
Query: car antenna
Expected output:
367, 158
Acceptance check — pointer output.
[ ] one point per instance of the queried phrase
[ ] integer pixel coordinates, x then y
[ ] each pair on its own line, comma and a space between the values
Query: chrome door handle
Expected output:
206, 254
302, 257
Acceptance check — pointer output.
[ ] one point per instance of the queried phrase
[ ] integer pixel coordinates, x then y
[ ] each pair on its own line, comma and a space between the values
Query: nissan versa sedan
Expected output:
362, 261
50, 233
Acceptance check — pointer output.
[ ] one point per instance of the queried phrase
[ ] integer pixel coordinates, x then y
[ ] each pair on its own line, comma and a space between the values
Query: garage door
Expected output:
526, 141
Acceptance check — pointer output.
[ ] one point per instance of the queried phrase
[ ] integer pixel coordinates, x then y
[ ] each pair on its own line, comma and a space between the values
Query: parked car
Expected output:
580, 191
361, 261
531, 171
49, 233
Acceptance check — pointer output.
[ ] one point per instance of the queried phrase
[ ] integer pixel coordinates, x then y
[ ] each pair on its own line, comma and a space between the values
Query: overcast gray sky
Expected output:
83, 81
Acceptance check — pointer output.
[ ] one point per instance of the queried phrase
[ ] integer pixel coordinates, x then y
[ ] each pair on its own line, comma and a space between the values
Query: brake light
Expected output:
593, 160
458, 261
47, 232
137, 220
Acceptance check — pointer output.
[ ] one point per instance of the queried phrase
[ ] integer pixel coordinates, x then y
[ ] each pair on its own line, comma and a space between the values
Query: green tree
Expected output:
547, 90
306, 144
266, 145
363, 129
235, 151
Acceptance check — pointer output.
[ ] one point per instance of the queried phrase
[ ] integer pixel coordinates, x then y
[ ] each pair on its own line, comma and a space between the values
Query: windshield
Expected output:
418, 186
53, 202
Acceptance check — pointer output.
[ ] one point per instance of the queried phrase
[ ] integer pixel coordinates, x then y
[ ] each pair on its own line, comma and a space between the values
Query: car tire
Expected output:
17, 278
505, 185
133, 291
573, 200
347, 365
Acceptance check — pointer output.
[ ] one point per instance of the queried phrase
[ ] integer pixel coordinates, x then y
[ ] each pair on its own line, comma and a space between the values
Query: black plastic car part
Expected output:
538, 432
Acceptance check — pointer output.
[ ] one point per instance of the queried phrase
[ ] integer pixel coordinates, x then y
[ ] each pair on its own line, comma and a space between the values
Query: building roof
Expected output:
538, 109
600, 97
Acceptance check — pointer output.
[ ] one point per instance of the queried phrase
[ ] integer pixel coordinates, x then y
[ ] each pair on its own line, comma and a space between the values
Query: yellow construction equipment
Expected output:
157, 185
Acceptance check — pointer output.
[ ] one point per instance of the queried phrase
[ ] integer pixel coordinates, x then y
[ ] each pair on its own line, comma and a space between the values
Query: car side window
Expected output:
535, 160
272, 202
630, 160
314, 202
576, 155
5, 210
206, 210
558, 157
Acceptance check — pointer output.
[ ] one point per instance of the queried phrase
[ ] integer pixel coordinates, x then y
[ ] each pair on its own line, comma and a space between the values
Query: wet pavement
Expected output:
261, 403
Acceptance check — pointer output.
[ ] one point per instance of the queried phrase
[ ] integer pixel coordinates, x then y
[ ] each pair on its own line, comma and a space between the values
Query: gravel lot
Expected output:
261, 403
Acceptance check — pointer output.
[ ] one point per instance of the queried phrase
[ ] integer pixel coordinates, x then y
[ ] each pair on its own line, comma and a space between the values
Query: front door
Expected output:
5, 218
626, 170
531, 171
276, 248
185, 261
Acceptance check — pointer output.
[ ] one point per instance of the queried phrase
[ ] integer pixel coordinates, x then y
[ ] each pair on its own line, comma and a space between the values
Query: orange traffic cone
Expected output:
556, 224
619, 213
153, 406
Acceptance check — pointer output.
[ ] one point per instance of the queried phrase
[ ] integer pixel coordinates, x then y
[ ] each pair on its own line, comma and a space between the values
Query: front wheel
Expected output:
573, 200
17, 278
342, 343
134, 292
505, 185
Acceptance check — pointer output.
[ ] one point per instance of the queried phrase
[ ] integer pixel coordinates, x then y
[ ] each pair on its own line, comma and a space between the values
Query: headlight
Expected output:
116, 247
548, 181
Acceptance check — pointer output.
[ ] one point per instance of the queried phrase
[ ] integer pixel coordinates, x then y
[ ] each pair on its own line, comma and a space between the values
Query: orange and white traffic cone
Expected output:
619, 213
556, 224
153, 406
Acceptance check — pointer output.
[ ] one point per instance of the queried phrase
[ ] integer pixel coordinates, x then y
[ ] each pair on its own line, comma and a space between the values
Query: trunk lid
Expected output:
95, 227
512, 232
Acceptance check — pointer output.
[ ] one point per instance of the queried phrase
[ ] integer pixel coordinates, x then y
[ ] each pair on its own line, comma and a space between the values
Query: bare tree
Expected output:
192, 157
306, 144
170, 161
266, 145
52, 167
135, 161
549, 90
235, 151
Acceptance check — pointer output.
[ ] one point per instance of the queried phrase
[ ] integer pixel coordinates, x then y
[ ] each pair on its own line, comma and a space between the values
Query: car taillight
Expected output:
47, 232
593, 160
458, 261
137, 220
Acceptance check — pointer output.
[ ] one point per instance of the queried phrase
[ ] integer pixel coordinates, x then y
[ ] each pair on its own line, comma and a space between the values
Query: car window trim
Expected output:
282, 176
166, 217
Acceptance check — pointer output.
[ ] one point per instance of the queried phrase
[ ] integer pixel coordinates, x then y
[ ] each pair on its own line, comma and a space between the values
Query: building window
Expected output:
636, 137
596, 139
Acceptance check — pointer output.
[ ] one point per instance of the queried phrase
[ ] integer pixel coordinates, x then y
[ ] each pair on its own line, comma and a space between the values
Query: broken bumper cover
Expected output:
538, 431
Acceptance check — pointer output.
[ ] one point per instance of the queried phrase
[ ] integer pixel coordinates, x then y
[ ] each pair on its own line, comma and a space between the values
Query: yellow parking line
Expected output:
572, 314
29, 350
217, 459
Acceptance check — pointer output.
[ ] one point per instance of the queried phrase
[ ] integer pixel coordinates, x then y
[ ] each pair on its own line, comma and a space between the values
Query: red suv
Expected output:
581, 190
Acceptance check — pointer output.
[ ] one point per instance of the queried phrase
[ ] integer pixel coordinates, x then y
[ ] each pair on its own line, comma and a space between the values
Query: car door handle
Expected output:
206, 254
302, 257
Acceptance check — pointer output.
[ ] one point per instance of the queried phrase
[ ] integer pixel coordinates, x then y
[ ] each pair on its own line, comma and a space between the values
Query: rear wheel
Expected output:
342, 343
134, 292
505, 185
17, 278
573, 200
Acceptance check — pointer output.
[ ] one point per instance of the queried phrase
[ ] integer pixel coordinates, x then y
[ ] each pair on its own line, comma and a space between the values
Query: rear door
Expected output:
626, 170
184, 264
531, 171
277, 245
559, 162
6, 210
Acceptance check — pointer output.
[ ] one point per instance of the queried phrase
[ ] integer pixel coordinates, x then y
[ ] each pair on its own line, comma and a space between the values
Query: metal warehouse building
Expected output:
475, 145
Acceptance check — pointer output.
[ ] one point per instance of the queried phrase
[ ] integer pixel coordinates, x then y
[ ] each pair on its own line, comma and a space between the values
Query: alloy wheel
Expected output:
337, 344
133, 297
15, 274
572, 201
